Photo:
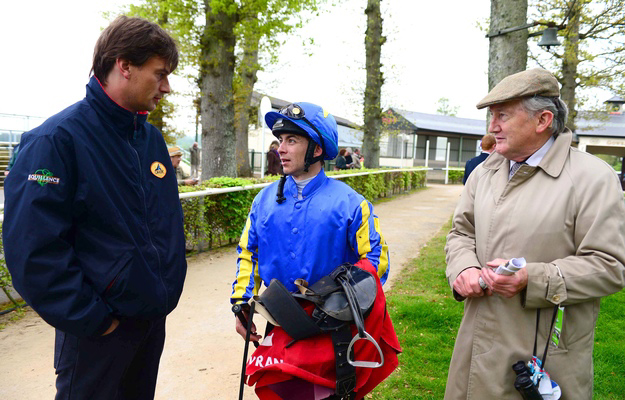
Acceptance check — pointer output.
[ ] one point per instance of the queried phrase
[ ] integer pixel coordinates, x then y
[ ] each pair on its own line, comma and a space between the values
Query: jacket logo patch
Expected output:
158, 169
43, 177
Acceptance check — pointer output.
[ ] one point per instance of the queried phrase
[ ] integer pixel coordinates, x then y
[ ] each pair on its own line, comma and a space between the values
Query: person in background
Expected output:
341, 162
348, 157
175, 153
357, 162
16, 150
562, 210
93, 228
488, 146
274, 165
194, 151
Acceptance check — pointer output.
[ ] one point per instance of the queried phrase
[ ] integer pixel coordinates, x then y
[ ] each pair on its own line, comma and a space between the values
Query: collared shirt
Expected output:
535, 158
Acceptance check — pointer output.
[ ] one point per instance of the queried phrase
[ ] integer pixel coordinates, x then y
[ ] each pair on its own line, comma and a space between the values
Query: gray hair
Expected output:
555, 105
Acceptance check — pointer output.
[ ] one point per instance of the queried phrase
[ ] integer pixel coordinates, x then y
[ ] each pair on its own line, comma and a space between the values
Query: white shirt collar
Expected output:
538, 156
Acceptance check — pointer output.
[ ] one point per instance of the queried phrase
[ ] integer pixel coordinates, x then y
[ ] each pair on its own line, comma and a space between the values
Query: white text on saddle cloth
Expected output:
261, 362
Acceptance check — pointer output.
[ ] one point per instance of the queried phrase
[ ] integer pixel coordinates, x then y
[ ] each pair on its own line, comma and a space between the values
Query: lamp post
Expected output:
549, 35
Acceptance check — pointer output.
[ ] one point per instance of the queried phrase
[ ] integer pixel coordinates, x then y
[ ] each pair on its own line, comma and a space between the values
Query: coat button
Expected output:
555, 298
293, 255
298, 205
294, 231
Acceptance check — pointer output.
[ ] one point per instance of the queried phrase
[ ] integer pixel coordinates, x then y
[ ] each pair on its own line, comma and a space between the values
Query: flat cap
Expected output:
174, 151
533, 82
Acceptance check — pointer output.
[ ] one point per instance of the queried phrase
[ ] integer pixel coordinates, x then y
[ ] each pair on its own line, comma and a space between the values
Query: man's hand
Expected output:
190, 181
504, 285
467, 285
111, 328
242, 330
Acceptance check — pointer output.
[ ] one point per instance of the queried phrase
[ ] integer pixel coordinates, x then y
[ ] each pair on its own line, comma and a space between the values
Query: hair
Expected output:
536, 104
133, 39
342, 152
488, 142
274, 143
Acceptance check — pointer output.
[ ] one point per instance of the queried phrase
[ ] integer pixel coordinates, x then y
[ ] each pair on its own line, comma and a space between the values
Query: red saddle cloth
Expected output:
312, 360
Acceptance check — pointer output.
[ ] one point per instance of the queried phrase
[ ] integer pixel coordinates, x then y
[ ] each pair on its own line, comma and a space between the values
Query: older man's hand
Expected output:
467, 283
504, 285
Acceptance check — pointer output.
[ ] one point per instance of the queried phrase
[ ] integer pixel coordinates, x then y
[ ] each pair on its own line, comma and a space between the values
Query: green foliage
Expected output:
5, 277
445, 108
609, 354
456, 175
219, 219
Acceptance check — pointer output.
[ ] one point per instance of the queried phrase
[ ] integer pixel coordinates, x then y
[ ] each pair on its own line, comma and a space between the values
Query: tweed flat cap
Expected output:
174, 151
536, 81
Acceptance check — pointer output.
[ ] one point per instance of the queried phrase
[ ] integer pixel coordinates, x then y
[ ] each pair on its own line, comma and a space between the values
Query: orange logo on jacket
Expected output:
158, 169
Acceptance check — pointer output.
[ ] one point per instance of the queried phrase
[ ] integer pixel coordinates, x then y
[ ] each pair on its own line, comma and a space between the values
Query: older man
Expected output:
175, 153
559, 208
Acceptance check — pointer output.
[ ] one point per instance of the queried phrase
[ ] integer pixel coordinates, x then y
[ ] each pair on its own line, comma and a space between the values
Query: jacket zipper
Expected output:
145, 207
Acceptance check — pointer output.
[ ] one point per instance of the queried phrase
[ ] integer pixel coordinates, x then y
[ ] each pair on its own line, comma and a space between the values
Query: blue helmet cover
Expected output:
324, 122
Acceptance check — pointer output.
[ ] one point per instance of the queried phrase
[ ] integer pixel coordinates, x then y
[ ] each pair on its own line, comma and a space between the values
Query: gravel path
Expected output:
203, 354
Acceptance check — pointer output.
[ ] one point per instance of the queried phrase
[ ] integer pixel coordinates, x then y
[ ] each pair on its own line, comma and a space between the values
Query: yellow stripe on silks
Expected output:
246, 265
364, 244
383, 266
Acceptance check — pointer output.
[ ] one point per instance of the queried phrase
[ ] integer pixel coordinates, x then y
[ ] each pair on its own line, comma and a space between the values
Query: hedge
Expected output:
217, 220
456, 175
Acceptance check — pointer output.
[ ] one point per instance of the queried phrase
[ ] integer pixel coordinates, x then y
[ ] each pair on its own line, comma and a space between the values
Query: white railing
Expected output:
212, 191
208, 192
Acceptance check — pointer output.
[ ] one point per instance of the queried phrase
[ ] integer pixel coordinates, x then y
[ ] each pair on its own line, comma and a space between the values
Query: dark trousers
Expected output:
122, 365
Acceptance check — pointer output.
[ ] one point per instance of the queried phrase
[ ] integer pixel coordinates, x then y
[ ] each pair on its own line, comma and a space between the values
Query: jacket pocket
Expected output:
116, 285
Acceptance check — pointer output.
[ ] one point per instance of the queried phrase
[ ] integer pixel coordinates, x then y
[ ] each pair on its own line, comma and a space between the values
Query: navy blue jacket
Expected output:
93, 224
472, 163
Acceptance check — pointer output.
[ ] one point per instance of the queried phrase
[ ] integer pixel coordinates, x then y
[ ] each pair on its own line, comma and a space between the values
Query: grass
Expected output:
426, 319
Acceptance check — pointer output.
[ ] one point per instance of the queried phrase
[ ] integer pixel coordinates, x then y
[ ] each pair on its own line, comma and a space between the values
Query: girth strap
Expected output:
345, 372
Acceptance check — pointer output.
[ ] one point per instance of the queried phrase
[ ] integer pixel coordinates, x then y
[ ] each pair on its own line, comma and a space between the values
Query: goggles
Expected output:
295, 112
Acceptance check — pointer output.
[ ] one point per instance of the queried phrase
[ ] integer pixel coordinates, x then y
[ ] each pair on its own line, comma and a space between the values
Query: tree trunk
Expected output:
507, 53
570, 62
372, 109
242, 99
217, 72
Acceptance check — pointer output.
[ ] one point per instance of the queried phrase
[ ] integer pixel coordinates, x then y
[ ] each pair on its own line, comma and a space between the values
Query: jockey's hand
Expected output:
242, 330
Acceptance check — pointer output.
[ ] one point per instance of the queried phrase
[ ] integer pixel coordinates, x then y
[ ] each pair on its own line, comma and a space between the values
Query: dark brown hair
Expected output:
133, 39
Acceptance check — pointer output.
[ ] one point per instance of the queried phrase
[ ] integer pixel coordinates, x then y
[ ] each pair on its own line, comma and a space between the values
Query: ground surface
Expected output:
203, 354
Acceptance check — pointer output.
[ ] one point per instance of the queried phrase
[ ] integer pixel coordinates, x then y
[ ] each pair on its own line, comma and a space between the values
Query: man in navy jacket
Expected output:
488, 146
93, 229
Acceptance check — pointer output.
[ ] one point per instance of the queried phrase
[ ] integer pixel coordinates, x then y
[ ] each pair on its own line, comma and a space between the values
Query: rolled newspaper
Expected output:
509, 268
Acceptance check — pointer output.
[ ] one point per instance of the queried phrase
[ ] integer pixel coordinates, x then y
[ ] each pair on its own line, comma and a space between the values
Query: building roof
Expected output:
616, 99
613, 127
414, 121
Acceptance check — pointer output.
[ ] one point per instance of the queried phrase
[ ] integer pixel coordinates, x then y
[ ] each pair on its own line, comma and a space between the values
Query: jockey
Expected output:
303, 227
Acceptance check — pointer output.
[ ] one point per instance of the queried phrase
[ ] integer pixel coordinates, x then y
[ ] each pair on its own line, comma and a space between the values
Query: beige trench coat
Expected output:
567, 218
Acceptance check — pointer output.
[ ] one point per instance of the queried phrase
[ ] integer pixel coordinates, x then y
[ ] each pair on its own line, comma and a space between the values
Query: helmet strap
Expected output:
310, 158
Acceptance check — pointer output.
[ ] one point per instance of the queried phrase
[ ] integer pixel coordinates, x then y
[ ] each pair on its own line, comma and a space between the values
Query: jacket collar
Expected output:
552, 163
290, 187
123, 120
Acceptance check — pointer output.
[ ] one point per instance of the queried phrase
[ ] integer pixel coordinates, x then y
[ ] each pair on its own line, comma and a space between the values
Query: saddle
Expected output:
342, 298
